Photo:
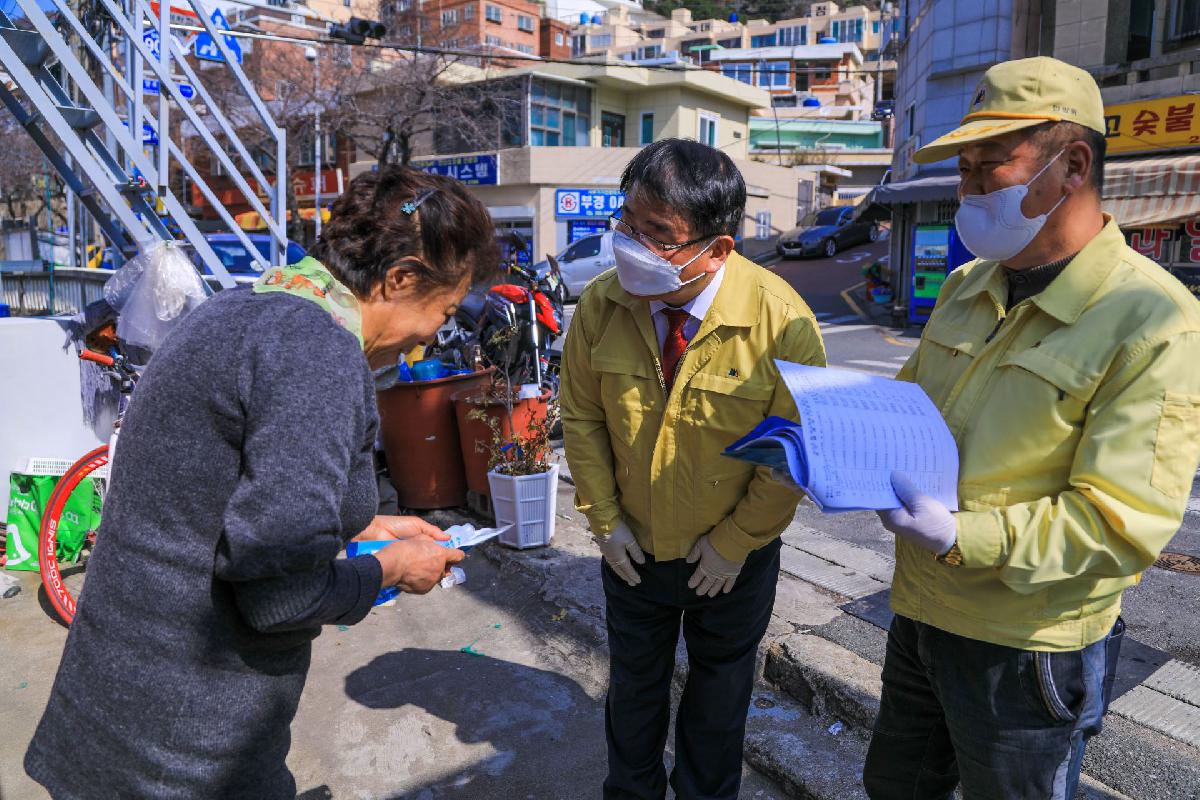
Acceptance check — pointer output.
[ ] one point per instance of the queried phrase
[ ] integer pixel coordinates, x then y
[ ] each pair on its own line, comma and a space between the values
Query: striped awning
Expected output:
1146, 192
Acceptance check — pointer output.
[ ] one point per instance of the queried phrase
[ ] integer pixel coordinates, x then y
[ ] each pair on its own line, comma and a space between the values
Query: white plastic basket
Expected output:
58, 467
526, 505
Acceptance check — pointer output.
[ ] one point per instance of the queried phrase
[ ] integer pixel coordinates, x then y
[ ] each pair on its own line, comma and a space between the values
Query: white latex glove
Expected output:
715, 573
922, 520
618, 547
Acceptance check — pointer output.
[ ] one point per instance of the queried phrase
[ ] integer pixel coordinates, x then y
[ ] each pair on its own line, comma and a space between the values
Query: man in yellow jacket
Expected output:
669, 359
1065, 365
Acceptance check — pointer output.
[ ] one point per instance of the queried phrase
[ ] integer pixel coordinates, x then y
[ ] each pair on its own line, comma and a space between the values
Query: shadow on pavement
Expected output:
532, 718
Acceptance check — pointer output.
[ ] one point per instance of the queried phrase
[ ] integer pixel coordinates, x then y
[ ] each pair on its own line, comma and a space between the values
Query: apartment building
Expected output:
1144, 55
568, 130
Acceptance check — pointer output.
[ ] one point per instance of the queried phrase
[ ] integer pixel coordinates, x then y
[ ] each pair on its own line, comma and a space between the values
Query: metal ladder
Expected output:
92, 133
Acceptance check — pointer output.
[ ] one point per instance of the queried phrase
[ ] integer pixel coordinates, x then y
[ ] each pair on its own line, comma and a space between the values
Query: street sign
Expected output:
471, 170
152, 42
153, 86
149, 137
206, 48
587, 203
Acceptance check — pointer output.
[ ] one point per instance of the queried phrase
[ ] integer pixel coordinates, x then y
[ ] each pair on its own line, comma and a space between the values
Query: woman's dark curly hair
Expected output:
373, 227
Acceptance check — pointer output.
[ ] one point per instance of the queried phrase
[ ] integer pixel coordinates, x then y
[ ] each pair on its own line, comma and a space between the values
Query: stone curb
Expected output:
825, 678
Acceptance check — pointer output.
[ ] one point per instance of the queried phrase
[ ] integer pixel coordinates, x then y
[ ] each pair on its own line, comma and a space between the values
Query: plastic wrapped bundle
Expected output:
152, 292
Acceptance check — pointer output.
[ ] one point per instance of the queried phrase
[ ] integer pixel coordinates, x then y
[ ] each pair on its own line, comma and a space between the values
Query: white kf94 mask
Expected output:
992, 225
646, 274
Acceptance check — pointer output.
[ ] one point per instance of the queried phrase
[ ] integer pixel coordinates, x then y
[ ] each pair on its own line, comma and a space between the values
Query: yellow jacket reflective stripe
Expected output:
1078, 427
654, 460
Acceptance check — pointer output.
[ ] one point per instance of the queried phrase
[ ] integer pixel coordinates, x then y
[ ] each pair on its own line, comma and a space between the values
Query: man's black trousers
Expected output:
722, 636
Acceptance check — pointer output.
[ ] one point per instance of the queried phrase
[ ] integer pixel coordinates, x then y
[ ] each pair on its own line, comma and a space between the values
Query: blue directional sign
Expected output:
207, 49
152, 86
471, 170
152, 42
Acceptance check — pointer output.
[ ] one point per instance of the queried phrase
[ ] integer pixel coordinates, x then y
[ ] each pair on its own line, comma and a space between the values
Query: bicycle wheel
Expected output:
60, 595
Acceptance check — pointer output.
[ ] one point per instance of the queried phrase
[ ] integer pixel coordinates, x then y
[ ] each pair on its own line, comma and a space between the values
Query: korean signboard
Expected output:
587, 203
471, 170
1176, 248
1153, 125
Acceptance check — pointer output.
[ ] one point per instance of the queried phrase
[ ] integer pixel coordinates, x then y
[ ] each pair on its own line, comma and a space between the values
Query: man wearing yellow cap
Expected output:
1065, 364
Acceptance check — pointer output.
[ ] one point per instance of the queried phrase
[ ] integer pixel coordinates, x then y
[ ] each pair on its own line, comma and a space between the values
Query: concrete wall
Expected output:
950, 45
45, 418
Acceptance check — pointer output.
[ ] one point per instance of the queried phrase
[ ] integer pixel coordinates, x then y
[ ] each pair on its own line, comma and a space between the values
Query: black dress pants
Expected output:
722, 634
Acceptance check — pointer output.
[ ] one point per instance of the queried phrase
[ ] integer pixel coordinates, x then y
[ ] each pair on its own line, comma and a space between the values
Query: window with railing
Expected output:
773, 74
762, 225
847, 30
525, 23
739, 72
559, 114
1183, 20
494, 14
793, 36
708, 128
305, 154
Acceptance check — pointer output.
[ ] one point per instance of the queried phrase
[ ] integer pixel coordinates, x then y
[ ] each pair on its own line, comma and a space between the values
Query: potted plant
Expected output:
522, 478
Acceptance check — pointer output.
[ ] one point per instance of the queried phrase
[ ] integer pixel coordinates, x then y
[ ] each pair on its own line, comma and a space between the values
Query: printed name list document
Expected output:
856, 429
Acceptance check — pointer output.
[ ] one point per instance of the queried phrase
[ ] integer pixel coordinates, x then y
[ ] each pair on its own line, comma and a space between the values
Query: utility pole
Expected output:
313, 55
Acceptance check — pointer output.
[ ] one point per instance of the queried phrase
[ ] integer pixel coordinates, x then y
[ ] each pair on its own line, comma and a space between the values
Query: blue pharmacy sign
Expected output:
471, 170
587, 203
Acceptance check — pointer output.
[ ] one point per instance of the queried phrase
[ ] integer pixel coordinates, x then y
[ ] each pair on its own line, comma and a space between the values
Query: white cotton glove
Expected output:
922, 520
618, 547
715, 574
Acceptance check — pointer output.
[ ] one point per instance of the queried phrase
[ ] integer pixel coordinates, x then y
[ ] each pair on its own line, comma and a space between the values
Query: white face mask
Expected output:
992, 225
646, 274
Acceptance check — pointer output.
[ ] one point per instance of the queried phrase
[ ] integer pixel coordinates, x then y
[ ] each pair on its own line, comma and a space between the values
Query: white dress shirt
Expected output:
697, 307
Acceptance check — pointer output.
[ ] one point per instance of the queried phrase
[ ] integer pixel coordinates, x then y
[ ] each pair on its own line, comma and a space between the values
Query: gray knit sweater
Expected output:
244, 465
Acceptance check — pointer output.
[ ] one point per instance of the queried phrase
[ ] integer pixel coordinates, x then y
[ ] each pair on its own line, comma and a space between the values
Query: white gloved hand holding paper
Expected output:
921, 519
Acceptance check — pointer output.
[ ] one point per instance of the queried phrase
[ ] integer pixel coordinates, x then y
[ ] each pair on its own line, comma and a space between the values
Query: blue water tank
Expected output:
597, 19
733, 17
583, 18
811, 102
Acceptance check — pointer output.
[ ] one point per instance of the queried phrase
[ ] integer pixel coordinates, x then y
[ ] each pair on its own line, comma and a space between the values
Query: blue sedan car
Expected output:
237, 259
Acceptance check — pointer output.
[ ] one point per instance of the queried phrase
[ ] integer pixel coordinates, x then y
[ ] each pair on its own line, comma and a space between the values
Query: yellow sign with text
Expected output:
1152, 125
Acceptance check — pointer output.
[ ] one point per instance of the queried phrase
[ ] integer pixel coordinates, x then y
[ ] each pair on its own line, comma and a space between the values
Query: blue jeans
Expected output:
1009, 724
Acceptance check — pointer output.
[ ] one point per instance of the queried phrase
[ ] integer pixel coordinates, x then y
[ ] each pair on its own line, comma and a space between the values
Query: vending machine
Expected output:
937, 251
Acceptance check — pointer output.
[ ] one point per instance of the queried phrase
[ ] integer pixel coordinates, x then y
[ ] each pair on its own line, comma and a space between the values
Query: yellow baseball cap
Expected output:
1020, 94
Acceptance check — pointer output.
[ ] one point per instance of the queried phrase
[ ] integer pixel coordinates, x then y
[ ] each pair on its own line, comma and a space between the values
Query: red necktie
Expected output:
675, 343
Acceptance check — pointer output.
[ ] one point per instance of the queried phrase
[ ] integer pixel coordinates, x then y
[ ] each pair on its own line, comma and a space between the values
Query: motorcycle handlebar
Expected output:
99, 358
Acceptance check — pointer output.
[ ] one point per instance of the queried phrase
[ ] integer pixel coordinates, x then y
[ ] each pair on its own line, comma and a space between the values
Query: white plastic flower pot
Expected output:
524, 506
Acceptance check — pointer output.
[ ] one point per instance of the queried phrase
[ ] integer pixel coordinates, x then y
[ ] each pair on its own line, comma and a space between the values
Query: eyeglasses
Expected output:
620, 225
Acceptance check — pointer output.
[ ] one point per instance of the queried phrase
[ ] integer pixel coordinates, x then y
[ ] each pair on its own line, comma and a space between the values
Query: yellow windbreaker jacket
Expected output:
1077, 419
654, 460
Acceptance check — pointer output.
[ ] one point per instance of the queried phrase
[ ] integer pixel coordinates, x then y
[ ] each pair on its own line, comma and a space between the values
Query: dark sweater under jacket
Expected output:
243, 467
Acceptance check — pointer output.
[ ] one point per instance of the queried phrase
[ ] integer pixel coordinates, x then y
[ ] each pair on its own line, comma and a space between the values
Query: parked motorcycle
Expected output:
511, 326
